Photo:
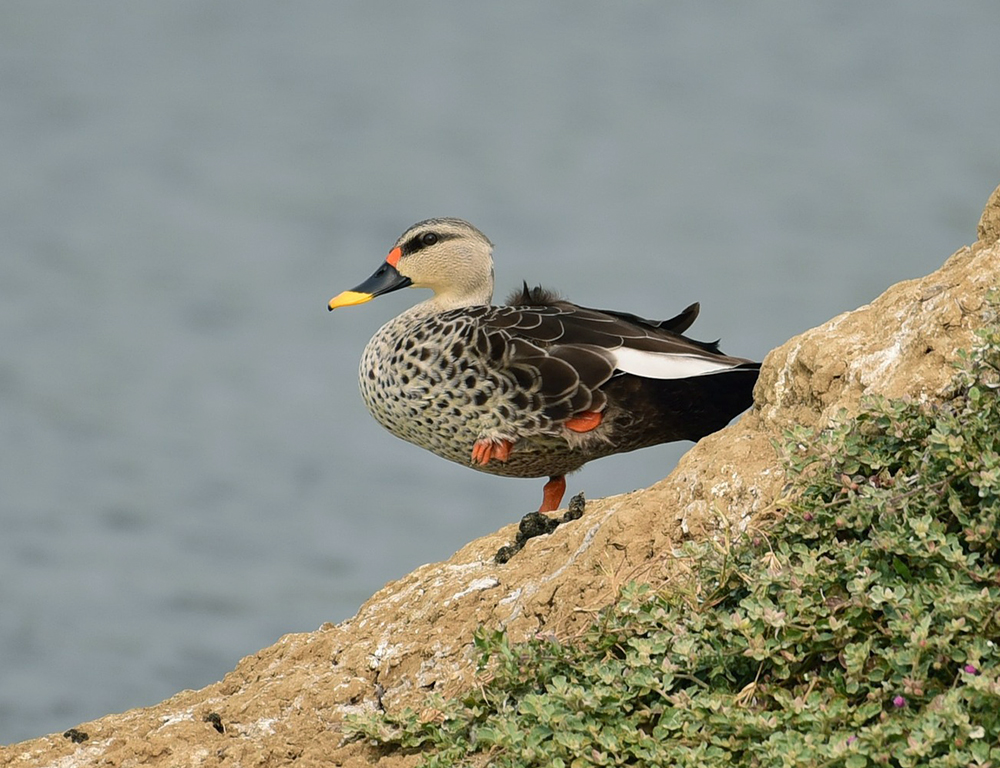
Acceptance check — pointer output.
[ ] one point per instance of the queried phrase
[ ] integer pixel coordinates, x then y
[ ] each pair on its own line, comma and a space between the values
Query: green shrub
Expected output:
860, 629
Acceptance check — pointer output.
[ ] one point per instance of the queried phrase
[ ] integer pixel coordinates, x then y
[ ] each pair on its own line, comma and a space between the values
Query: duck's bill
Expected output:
385, 280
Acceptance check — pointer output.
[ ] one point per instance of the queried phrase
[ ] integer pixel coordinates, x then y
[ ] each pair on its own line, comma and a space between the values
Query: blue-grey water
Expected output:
186, 469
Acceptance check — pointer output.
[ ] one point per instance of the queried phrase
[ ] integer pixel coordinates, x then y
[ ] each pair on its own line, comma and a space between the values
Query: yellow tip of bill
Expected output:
349, 299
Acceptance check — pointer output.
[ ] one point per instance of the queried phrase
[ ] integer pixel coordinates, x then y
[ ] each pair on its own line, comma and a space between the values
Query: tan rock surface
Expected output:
284, 704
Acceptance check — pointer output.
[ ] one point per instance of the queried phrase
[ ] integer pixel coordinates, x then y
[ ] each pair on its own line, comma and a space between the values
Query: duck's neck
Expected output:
446, 301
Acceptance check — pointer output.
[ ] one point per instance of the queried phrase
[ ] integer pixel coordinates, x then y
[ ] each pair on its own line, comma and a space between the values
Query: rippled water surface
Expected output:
186, 469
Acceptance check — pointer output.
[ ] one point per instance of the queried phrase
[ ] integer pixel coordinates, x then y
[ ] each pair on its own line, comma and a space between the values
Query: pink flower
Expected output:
899, 702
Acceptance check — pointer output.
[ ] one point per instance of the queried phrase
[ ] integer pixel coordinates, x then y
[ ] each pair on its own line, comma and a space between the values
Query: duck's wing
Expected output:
654, 349
560, 354
541, 297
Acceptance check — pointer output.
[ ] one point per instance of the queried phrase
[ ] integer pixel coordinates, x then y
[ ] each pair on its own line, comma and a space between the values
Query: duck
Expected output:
538, 386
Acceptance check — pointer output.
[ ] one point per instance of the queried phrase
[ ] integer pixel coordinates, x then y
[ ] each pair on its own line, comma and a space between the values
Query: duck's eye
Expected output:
428, 238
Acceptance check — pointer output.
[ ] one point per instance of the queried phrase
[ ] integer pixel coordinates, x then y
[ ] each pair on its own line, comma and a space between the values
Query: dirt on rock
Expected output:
285, 704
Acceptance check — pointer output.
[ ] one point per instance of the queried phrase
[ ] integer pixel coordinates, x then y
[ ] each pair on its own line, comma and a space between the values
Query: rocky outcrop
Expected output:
284, 704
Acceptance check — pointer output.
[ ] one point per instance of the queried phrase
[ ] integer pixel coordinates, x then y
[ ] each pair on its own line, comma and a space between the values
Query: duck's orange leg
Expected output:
487, 448
552, 493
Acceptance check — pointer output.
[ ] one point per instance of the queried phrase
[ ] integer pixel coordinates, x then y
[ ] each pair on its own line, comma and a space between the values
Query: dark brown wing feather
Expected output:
541, 297
559, 352
538, 314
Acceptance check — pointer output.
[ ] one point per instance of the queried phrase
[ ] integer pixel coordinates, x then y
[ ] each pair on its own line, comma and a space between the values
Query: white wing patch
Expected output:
656, 365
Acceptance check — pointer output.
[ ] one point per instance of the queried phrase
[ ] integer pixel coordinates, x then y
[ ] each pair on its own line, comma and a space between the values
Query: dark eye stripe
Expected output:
417, 243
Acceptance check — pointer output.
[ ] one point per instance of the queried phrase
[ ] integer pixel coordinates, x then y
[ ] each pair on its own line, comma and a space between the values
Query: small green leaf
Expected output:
900, 568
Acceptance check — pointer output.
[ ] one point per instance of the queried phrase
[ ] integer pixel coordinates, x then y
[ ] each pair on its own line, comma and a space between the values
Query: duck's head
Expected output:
449, 256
